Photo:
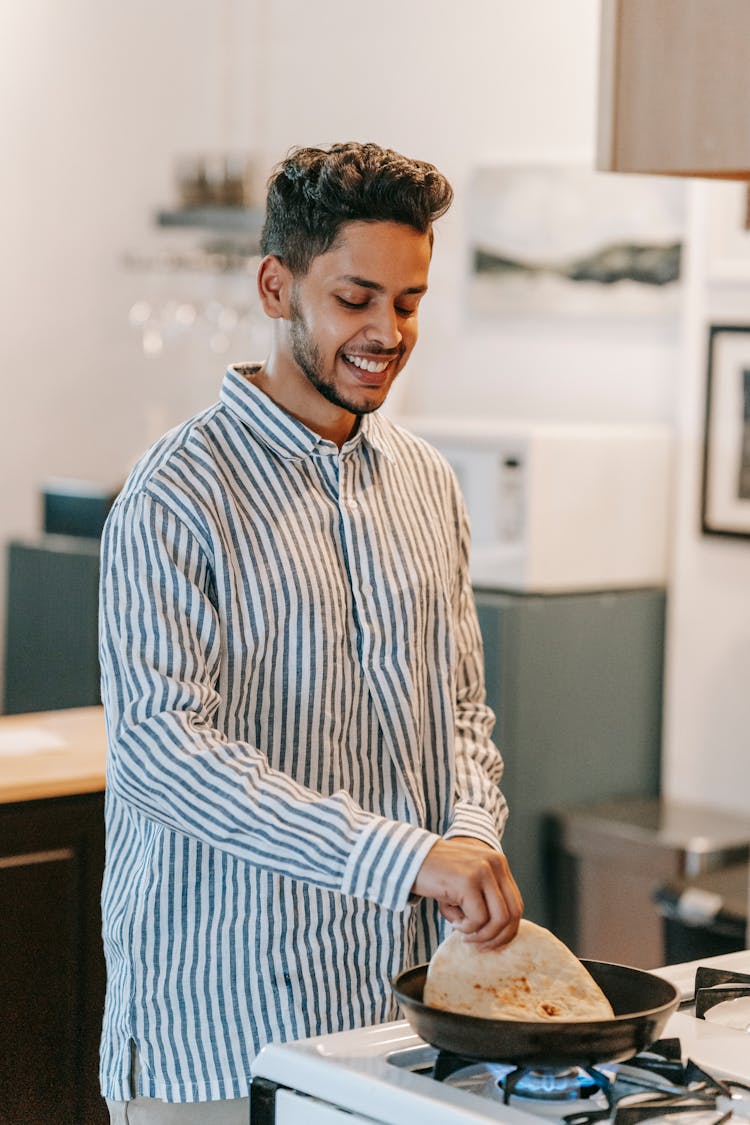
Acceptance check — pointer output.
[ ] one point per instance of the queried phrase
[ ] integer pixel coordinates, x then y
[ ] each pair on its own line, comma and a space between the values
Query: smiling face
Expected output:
348, 327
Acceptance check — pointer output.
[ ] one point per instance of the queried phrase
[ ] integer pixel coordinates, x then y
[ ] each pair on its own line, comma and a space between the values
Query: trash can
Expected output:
705, 917
608, 860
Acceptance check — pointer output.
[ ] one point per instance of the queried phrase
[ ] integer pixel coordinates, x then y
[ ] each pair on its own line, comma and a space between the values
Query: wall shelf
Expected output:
239, 220
225, 258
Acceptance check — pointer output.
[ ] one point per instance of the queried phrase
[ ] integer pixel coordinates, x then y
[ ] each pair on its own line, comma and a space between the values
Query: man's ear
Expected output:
274, 287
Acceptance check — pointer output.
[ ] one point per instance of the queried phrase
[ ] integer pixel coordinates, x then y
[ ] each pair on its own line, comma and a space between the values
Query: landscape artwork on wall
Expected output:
554, 240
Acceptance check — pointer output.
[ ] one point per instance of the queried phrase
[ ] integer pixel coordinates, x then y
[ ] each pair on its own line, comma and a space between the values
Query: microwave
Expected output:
558, 507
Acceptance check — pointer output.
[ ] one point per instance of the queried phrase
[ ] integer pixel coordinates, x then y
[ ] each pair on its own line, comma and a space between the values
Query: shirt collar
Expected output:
287, 436
374, 429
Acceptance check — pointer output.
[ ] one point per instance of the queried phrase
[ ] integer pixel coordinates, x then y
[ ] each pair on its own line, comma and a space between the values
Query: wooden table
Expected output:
74, 762
51, 957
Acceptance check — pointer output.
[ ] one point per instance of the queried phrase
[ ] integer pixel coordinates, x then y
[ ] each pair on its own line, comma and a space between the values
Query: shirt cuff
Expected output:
469, 820
385, 861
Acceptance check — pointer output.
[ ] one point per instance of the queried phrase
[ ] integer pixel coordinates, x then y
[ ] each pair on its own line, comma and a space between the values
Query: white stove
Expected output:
382, 1075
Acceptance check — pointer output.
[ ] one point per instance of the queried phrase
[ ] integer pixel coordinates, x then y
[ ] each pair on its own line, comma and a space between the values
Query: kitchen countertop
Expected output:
52, 754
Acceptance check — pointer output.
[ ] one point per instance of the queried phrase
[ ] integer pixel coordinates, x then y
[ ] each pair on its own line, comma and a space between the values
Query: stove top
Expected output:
650, 1086
387, 1074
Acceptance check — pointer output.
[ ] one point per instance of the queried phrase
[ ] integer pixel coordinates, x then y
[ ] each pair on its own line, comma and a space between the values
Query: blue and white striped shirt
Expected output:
293, 683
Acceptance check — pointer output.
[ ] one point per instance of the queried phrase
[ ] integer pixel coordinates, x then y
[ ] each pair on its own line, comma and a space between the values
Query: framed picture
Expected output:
726, 449
564, 240
729, 232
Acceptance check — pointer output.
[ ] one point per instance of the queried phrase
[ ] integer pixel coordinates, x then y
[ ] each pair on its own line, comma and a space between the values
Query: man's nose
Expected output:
384, 329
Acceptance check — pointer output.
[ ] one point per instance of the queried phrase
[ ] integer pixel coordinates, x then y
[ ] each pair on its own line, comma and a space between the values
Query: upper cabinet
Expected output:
674, 87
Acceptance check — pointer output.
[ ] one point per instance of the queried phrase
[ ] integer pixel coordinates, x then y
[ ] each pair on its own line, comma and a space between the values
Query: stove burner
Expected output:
541, 1084
551, 1084
653, 1084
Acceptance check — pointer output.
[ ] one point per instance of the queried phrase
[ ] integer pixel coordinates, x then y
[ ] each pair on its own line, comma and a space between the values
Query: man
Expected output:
300, 773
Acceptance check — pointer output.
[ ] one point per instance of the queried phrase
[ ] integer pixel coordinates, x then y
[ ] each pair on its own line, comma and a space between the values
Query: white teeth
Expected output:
371, 365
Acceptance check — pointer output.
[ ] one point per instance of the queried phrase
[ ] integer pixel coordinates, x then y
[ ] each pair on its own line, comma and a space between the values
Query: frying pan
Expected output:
642, 1004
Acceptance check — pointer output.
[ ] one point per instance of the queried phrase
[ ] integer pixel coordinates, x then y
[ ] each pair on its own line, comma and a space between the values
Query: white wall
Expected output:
459, 84
707, 709
96, 97
94, 100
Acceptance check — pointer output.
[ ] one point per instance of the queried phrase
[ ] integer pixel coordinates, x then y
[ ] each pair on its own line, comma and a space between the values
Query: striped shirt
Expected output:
293, 682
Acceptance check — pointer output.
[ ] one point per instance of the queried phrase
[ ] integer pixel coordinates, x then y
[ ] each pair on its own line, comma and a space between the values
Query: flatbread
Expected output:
535, 977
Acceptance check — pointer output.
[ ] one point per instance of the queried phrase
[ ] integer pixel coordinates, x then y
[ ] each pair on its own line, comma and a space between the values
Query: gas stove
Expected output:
697, 1074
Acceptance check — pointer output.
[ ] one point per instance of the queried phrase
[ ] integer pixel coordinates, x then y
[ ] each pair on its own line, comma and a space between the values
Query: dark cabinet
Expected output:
51, 961
52, 659
576, 683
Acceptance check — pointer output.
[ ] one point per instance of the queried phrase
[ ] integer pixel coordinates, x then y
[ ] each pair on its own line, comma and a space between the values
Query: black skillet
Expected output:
642, 1004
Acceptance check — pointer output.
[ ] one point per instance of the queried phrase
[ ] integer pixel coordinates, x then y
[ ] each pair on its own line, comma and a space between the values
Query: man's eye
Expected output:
406, 312
351, 304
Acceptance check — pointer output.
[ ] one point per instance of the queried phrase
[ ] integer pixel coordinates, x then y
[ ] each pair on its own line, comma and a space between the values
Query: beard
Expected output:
306, 354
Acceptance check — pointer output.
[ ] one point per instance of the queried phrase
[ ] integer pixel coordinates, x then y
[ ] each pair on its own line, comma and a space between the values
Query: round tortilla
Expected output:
535, 977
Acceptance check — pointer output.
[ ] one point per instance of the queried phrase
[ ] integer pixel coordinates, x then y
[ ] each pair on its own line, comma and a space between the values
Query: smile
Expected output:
373, 366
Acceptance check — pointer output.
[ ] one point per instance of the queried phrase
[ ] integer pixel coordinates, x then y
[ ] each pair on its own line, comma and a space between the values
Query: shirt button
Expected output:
353, 505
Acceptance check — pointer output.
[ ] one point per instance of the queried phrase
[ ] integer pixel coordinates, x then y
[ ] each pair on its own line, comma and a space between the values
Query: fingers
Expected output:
494, 937
451, 913
478, 907
505, 910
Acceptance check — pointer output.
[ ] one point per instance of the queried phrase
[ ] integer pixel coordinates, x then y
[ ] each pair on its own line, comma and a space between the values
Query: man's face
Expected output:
353, 316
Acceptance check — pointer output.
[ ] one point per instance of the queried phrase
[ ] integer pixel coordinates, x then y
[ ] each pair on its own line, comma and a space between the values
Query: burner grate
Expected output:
657, 1084
664, 1106
715, 986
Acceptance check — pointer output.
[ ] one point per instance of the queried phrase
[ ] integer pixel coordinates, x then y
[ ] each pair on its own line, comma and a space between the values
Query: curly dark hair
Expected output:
314, 191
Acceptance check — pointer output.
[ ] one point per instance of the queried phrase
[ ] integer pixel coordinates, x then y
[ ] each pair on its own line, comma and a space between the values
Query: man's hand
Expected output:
474, 890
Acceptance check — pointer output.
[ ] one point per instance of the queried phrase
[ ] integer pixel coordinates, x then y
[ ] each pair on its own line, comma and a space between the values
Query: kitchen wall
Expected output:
97, 99
707, 708
487, 80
